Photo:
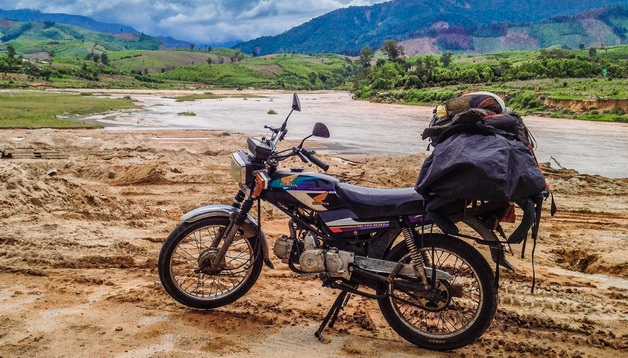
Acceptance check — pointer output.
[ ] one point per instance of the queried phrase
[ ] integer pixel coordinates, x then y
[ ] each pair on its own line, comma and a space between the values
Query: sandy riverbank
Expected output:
78, 253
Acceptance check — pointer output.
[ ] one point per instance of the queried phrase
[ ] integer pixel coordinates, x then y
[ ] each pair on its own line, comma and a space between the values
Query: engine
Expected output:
282, 248
316, 260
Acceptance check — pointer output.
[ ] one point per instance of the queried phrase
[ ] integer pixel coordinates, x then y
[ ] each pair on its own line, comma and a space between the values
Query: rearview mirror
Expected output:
296, 104
320, 130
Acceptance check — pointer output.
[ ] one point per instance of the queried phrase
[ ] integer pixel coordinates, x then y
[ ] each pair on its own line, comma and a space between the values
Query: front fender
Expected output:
250, 227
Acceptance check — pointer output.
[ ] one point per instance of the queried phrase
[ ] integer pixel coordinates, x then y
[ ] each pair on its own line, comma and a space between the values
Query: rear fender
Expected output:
250, 227
488, 235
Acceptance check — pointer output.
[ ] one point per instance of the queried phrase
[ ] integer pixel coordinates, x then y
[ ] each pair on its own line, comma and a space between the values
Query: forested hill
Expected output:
350, 29
27, 15
65, 40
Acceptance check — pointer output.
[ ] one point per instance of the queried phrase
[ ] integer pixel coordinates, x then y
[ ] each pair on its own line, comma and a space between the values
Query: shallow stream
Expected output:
359, 127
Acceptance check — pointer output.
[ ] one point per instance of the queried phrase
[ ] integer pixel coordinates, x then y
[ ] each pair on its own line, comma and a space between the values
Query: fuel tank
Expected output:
318, 192
313, 190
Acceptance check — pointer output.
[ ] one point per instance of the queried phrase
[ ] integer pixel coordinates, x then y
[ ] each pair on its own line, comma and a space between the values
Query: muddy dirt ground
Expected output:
79, 246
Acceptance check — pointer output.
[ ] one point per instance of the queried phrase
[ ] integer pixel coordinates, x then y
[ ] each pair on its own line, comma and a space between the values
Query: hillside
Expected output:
45, 39
273, 71
594, 28
27, 15
348, 30
158, 61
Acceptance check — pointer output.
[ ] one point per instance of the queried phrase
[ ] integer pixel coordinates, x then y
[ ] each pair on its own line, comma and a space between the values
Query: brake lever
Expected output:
304, 159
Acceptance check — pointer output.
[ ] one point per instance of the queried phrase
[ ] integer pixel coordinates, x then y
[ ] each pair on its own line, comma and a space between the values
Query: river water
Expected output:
359, 127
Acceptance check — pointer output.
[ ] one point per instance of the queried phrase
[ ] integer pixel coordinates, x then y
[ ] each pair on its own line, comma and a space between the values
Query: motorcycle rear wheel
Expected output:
468, 304
188, 244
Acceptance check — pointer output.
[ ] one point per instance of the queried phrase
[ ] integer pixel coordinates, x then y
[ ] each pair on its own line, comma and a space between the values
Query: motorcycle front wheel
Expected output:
457, 311
182, 265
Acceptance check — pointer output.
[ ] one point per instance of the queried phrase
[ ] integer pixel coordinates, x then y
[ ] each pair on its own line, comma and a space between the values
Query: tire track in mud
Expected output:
583, 314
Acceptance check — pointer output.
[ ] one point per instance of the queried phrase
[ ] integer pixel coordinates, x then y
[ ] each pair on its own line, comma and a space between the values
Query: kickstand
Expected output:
332, 315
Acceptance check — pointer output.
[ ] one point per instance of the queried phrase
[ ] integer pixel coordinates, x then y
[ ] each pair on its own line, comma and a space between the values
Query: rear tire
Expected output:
179, 262
468, 302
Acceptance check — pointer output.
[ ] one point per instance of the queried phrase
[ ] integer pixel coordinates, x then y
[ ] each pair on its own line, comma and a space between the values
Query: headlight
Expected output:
238, 167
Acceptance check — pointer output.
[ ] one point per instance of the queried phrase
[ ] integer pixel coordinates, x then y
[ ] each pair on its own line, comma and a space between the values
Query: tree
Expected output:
11, 51
446, 58
192, 46
392, 50
592, 52
104, 59
366, 55
237, 56
209, 60
581, 46
387, 76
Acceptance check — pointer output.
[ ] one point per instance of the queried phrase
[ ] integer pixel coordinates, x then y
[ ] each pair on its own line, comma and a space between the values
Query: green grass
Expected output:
187, 114
42, 110
605, 116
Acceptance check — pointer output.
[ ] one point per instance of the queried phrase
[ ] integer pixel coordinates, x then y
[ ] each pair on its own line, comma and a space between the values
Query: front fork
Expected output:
235, 224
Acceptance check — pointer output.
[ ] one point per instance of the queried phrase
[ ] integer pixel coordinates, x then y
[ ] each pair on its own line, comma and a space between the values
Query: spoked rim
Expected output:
461, 311
184, 264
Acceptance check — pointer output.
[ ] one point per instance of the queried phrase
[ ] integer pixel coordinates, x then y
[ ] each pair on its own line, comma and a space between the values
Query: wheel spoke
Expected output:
459, 312
237, 265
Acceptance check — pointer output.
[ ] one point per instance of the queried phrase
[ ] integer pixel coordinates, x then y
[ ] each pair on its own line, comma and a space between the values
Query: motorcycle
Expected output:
435, 290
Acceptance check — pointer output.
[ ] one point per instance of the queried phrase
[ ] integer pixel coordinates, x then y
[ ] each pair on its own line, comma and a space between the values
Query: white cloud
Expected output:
200, 21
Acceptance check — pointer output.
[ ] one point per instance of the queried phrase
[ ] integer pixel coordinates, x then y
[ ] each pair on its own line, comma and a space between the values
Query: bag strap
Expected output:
490, 129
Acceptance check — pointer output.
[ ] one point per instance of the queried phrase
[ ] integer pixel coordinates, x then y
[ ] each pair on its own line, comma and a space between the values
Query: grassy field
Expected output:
568, 88
53, 110
185, 69
156, 61
276, 71
610, 53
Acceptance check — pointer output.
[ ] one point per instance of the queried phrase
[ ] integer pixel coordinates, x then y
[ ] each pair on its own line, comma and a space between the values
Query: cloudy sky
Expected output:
199, 21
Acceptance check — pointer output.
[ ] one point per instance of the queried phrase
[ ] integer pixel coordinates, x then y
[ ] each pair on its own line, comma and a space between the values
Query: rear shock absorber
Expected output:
415, 255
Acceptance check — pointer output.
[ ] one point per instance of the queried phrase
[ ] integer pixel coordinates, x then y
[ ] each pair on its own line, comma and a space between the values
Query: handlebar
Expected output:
312, 158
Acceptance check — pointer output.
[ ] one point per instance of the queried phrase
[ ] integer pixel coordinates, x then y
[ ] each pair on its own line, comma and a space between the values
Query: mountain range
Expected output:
453, 23
420, 26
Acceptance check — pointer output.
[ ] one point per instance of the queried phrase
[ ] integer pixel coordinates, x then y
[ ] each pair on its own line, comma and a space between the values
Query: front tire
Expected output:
188, 245
465, 305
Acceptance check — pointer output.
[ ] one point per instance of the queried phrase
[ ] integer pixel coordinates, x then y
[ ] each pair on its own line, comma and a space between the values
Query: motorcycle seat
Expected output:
369, 203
